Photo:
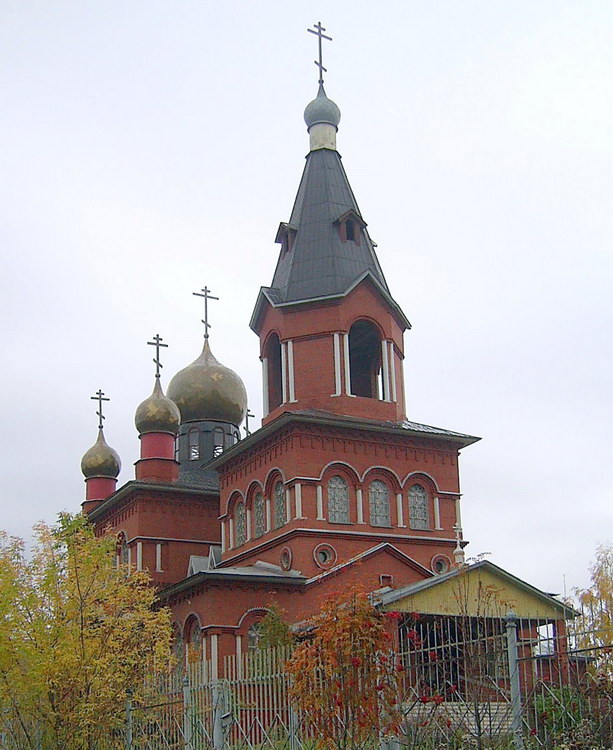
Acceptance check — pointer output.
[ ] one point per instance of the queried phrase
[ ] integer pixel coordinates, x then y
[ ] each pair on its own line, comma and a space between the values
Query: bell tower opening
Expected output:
272, 354
364, 359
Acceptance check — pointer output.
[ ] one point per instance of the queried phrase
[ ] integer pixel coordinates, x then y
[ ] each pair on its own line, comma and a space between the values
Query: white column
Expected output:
284, 371
458, 513
320, 503
385, 396
239, 653
347, 368
223, 536
248, 514
288, 505
392, 365
265, 406
290, 368
158, 558
437, 514
214, 657
337, 365
267, 504
231, 533
360, 505
399, 510
129, 556
139, 555
298, 500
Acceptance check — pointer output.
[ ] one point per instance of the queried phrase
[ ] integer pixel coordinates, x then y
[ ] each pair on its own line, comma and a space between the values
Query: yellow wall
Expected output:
478, 593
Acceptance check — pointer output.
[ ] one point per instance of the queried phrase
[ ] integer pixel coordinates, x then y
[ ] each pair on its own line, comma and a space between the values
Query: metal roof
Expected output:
320, 264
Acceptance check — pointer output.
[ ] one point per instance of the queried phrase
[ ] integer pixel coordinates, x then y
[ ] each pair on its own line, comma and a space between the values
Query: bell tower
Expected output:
331, 335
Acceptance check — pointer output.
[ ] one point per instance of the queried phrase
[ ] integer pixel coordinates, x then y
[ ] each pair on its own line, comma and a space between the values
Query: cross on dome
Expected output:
320, 35
157, 342
206, 295
100, 397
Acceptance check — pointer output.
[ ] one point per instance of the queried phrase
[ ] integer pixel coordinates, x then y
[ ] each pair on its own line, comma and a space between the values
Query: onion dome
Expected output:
157, 413
206, 390
322, 110
100, 460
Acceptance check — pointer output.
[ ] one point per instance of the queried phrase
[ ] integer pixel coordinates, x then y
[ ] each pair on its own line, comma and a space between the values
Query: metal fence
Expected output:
464, 682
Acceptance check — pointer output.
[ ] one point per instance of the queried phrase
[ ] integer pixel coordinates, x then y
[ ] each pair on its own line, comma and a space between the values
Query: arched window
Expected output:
379, 503
419, 517
338, 500
273, 371
253, 637
194, 444
364, 359
280, 515
218, 441
178, 647
240, 524
194, 641
259, 515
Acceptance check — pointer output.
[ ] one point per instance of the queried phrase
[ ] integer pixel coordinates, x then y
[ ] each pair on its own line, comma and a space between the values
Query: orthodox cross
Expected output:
206, 294
246, 427
157, 342
320, 35
458, 532
100, 397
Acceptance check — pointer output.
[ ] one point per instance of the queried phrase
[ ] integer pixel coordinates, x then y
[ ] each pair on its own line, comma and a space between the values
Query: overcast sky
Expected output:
149, 147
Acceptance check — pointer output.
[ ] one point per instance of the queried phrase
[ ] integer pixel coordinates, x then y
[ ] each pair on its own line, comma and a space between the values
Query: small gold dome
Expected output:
100, 460
157, 413
207, 390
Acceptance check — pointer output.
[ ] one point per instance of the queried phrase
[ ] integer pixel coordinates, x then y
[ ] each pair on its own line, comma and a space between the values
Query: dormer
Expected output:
286, 234
350, 225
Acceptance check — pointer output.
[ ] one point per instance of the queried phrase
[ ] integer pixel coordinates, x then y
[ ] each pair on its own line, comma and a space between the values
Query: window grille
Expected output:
379, 502
240, 524
259, 515
194, 445
279, 505
217, 442
418, 508
338, 500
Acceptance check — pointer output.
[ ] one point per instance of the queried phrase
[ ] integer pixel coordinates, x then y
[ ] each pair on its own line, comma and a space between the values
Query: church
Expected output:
336, 486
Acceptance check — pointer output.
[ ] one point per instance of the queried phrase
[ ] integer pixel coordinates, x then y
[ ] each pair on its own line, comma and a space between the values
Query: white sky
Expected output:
149, 147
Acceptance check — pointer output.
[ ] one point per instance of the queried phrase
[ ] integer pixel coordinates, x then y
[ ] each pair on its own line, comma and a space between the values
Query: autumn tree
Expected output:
344, 676
596, 623
76, 632
274, 630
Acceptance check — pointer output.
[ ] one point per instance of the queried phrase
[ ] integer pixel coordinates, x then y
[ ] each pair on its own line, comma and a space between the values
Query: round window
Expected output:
324, 555
285, 559
440, 564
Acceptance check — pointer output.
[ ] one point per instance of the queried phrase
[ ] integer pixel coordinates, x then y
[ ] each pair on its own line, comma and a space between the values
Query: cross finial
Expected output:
246, 427
157, 342
320, 35
100, 397
206, 293
458, 531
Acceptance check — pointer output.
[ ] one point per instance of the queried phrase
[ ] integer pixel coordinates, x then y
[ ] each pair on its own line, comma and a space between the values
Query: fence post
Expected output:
188, 724
128, 742
516, 722
222, 717
293, 729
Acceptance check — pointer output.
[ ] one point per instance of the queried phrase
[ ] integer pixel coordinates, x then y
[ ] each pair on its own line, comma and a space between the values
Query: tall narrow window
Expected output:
259, 515
240, 524
350, 229
379, 503
418, 508
338, 500
279, 505
217, 441
275, 387
364, 359
253, 637
194, 444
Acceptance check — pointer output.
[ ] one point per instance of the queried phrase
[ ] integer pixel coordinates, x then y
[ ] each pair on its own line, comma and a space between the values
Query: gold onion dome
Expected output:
206, 390
100, 460
157, 413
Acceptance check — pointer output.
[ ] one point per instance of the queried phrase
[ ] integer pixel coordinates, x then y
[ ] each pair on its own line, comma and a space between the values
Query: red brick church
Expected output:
336, 485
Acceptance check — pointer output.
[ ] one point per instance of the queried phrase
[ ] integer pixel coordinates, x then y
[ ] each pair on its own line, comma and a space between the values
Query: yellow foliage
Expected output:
76, 632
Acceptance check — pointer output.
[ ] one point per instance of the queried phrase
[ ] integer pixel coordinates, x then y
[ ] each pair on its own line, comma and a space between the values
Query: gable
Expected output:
479, 591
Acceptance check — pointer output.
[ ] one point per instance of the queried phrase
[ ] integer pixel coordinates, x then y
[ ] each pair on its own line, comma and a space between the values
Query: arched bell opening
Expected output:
365, 359
272, 354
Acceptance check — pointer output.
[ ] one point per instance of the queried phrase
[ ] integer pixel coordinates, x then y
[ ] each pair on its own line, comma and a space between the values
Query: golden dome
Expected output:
100, 460
207, 390
157, 413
